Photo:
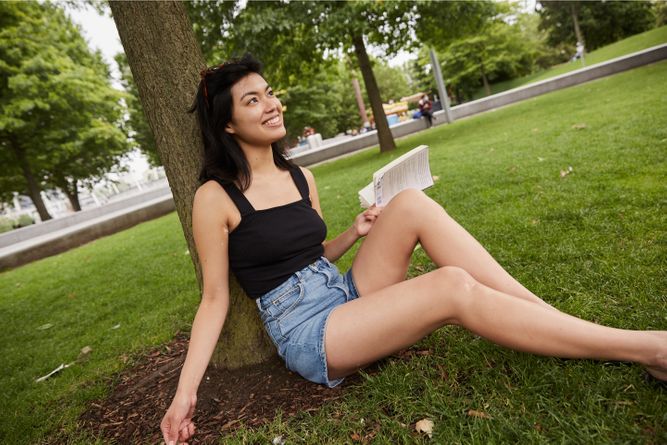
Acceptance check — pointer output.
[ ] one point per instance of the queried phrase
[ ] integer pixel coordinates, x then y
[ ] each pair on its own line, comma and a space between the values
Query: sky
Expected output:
100, 32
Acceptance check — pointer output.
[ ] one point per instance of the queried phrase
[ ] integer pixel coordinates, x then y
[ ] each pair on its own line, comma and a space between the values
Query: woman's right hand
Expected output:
177, 422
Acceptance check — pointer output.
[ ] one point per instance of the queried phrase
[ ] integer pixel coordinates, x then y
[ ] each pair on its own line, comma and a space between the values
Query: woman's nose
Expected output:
271, 105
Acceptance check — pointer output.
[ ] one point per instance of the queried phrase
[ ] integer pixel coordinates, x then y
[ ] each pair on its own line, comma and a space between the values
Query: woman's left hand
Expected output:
365, 220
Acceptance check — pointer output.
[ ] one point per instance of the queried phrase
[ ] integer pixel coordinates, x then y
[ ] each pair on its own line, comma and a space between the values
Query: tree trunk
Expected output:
487, 87
165, 60
72, 193
360, 101
34, 190
574, 10
385, 137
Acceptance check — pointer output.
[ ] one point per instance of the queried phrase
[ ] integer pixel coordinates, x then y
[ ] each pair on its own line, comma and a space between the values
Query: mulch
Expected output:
227, 399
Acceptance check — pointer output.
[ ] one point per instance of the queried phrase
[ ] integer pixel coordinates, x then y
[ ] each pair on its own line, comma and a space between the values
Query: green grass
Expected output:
592, 243
623, 47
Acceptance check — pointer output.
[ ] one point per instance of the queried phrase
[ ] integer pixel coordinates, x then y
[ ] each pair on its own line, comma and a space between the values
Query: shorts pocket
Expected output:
287, 301
335, 280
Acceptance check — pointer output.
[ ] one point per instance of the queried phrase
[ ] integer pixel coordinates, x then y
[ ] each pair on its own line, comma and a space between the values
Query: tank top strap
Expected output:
237, 197
301, 182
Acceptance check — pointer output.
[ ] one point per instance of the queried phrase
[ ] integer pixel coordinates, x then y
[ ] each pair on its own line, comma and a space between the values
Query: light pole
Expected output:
444, 99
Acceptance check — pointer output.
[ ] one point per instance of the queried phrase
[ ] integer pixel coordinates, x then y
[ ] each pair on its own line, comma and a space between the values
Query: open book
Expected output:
410, 170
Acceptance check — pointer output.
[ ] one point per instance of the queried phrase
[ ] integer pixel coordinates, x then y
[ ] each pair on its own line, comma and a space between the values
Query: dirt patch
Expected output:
249, 396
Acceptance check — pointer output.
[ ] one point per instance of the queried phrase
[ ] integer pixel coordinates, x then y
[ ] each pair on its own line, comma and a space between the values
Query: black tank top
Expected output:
269, 245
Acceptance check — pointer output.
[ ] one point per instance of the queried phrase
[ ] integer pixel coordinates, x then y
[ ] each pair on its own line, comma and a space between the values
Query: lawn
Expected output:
592, 243
623, 47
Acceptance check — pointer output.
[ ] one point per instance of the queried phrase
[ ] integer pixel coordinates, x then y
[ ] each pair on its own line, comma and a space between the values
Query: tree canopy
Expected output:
297, 40
60, 121
601, 22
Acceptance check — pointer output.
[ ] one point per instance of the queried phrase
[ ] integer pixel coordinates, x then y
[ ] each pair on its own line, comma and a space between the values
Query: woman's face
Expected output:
257, 115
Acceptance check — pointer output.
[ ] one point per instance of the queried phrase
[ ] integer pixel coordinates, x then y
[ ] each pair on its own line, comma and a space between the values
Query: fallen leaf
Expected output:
435, 178
187, 252
579, 126
278, 440
45, 327
564, 173
355, 437
86, 350
480, 414
115, 326
425, 426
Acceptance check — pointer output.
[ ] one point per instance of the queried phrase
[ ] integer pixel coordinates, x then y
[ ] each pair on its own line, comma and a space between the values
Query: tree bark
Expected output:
360, 101
385, 137
487, 87
34, 190
72, 193
575, 20
165, 60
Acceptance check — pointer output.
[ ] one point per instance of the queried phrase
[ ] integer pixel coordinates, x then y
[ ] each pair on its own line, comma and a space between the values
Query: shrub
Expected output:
5, 224
24, 220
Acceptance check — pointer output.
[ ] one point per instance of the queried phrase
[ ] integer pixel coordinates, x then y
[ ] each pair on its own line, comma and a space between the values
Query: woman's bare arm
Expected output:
209, 223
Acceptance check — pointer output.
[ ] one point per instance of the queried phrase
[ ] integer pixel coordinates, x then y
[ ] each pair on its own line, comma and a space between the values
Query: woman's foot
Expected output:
658, 367
657, 373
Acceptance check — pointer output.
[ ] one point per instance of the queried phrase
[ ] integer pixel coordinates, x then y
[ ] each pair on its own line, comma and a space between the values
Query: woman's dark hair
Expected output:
223, 157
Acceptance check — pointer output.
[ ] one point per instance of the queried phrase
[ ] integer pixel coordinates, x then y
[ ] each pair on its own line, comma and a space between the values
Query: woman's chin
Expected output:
278, 133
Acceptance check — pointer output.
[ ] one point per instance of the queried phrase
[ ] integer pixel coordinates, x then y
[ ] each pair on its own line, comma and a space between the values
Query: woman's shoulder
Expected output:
307, 173
212, 197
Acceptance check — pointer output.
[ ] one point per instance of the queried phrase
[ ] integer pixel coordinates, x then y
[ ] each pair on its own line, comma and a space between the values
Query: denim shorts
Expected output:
295, 315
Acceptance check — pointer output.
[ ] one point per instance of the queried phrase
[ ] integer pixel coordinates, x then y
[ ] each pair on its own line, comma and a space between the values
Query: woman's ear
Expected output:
229, 129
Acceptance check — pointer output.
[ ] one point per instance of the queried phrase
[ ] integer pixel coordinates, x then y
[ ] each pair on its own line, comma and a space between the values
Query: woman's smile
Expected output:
275, 121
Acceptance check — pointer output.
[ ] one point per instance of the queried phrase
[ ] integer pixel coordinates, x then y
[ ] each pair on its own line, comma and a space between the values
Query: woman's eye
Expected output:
270, 93
250, 101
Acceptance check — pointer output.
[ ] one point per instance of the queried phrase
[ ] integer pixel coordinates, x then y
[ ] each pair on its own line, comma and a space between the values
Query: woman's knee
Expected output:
412, 201
454, 288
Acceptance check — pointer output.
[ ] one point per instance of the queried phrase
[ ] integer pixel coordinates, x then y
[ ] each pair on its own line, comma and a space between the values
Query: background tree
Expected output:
137, 126
151, 33
507, 46
497, 52
324, 103
600, 22
294, 38
59, 121
392, 82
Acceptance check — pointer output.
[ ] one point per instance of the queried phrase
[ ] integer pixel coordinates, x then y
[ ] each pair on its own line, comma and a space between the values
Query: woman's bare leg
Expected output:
412, 217
389, 319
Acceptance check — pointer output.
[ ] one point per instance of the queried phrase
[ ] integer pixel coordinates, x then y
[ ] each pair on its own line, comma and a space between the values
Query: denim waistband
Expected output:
297, 277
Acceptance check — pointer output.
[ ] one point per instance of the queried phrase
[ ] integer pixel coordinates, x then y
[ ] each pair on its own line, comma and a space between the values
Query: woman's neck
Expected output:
260, 160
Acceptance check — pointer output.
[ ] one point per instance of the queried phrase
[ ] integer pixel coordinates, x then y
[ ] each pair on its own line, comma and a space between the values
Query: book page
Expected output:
367, 196
411, 170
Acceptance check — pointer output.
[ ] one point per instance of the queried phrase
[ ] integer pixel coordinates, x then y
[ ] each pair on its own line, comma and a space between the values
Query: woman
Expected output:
260, 215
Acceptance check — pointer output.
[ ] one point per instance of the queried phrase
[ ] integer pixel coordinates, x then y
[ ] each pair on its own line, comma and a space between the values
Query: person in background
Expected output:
425, 107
